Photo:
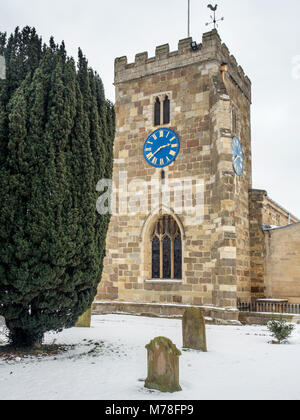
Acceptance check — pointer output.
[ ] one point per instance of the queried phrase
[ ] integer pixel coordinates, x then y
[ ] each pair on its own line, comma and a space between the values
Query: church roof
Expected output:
267, 228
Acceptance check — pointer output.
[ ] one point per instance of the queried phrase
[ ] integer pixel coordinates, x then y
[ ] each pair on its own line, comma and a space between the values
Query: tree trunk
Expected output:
20, 338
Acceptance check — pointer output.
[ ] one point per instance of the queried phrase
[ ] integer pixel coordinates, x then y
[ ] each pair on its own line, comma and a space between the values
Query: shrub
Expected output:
280, 329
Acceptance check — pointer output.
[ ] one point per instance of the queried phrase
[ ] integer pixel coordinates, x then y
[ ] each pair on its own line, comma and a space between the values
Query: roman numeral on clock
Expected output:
149, 156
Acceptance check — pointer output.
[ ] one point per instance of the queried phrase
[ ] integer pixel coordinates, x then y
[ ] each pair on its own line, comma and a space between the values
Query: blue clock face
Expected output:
238, 156
161, 148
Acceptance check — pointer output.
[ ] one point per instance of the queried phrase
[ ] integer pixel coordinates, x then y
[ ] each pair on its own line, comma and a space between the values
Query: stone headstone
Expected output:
2, 329
163, 365
193, 330
2, 68
84, 321
2, 324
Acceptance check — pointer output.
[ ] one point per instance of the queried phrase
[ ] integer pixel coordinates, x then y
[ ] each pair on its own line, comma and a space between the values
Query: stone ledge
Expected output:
262, 318
153, 281
214, 315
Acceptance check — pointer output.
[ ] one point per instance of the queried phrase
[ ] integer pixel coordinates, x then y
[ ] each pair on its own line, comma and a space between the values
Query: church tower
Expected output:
182, 160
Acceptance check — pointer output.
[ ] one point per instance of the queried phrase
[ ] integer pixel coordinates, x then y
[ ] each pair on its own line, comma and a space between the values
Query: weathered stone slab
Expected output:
2, 325
163, 365
2, 68
85, 320
194, 330
2, 329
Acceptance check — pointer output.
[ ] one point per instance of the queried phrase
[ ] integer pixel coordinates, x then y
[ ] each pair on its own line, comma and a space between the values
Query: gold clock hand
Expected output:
161, 147
157, 151
167, 145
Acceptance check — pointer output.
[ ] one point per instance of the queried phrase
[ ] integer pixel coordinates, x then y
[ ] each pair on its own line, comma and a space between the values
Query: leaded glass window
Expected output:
166, 250
155, 258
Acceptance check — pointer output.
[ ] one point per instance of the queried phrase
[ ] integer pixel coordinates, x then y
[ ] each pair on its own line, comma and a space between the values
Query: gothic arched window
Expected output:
166, 250
157, 111
166, 110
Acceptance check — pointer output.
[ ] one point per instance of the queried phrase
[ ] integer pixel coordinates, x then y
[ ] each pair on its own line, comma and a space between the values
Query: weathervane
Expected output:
214, 20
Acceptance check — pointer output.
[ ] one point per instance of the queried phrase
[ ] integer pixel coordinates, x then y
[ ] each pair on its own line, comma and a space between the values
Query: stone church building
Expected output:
183, 124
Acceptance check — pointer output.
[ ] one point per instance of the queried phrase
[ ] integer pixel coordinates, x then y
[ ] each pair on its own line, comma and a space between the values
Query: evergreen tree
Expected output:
56, 139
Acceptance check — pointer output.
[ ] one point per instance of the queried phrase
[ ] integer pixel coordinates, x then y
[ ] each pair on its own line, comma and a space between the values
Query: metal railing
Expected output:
268, 307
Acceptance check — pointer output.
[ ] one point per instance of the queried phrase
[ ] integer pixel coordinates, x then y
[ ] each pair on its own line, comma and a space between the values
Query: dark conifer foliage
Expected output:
56, 142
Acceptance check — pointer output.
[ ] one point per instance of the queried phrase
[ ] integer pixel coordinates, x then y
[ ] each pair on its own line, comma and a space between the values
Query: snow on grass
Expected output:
109, 362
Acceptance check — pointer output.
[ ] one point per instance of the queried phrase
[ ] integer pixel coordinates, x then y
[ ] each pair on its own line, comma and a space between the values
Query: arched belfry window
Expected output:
166, 110
157, 111
166, 250
162, 109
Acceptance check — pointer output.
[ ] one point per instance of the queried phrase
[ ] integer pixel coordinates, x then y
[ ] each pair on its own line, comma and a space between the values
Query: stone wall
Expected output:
213, 315
240, 186
260, 318
257, 244
263, 211
282, 263
216, 254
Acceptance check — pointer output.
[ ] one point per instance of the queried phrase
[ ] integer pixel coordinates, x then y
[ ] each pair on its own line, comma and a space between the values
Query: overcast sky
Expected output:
264, 36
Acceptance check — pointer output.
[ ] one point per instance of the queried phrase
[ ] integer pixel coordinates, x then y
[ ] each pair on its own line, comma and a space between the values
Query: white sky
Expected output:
264, 36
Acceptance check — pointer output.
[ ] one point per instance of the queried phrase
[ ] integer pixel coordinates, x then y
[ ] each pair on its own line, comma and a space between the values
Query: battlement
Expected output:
210, 50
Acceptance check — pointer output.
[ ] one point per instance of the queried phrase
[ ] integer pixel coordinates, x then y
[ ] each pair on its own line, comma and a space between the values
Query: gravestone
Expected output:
84, 321
2, 68
193, 330
163, 365
2, 329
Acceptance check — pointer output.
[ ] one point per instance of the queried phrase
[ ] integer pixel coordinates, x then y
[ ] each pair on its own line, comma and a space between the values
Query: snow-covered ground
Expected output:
240, 364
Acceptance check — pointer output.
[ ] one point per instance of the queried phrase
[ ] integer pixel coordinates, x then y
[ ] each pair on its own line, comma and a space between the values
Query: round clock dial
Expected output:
161, 148
237, 156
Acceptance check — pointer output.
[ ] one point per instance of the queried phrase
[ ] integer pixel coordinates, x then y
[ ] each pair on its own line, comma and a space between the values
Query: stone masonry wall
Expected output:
239, 188
282, 266
263, 211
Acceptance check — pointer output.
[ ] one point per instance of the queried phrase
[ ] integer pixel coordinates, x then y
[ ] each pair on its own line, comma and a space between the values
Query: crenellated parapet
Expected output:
210, 50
